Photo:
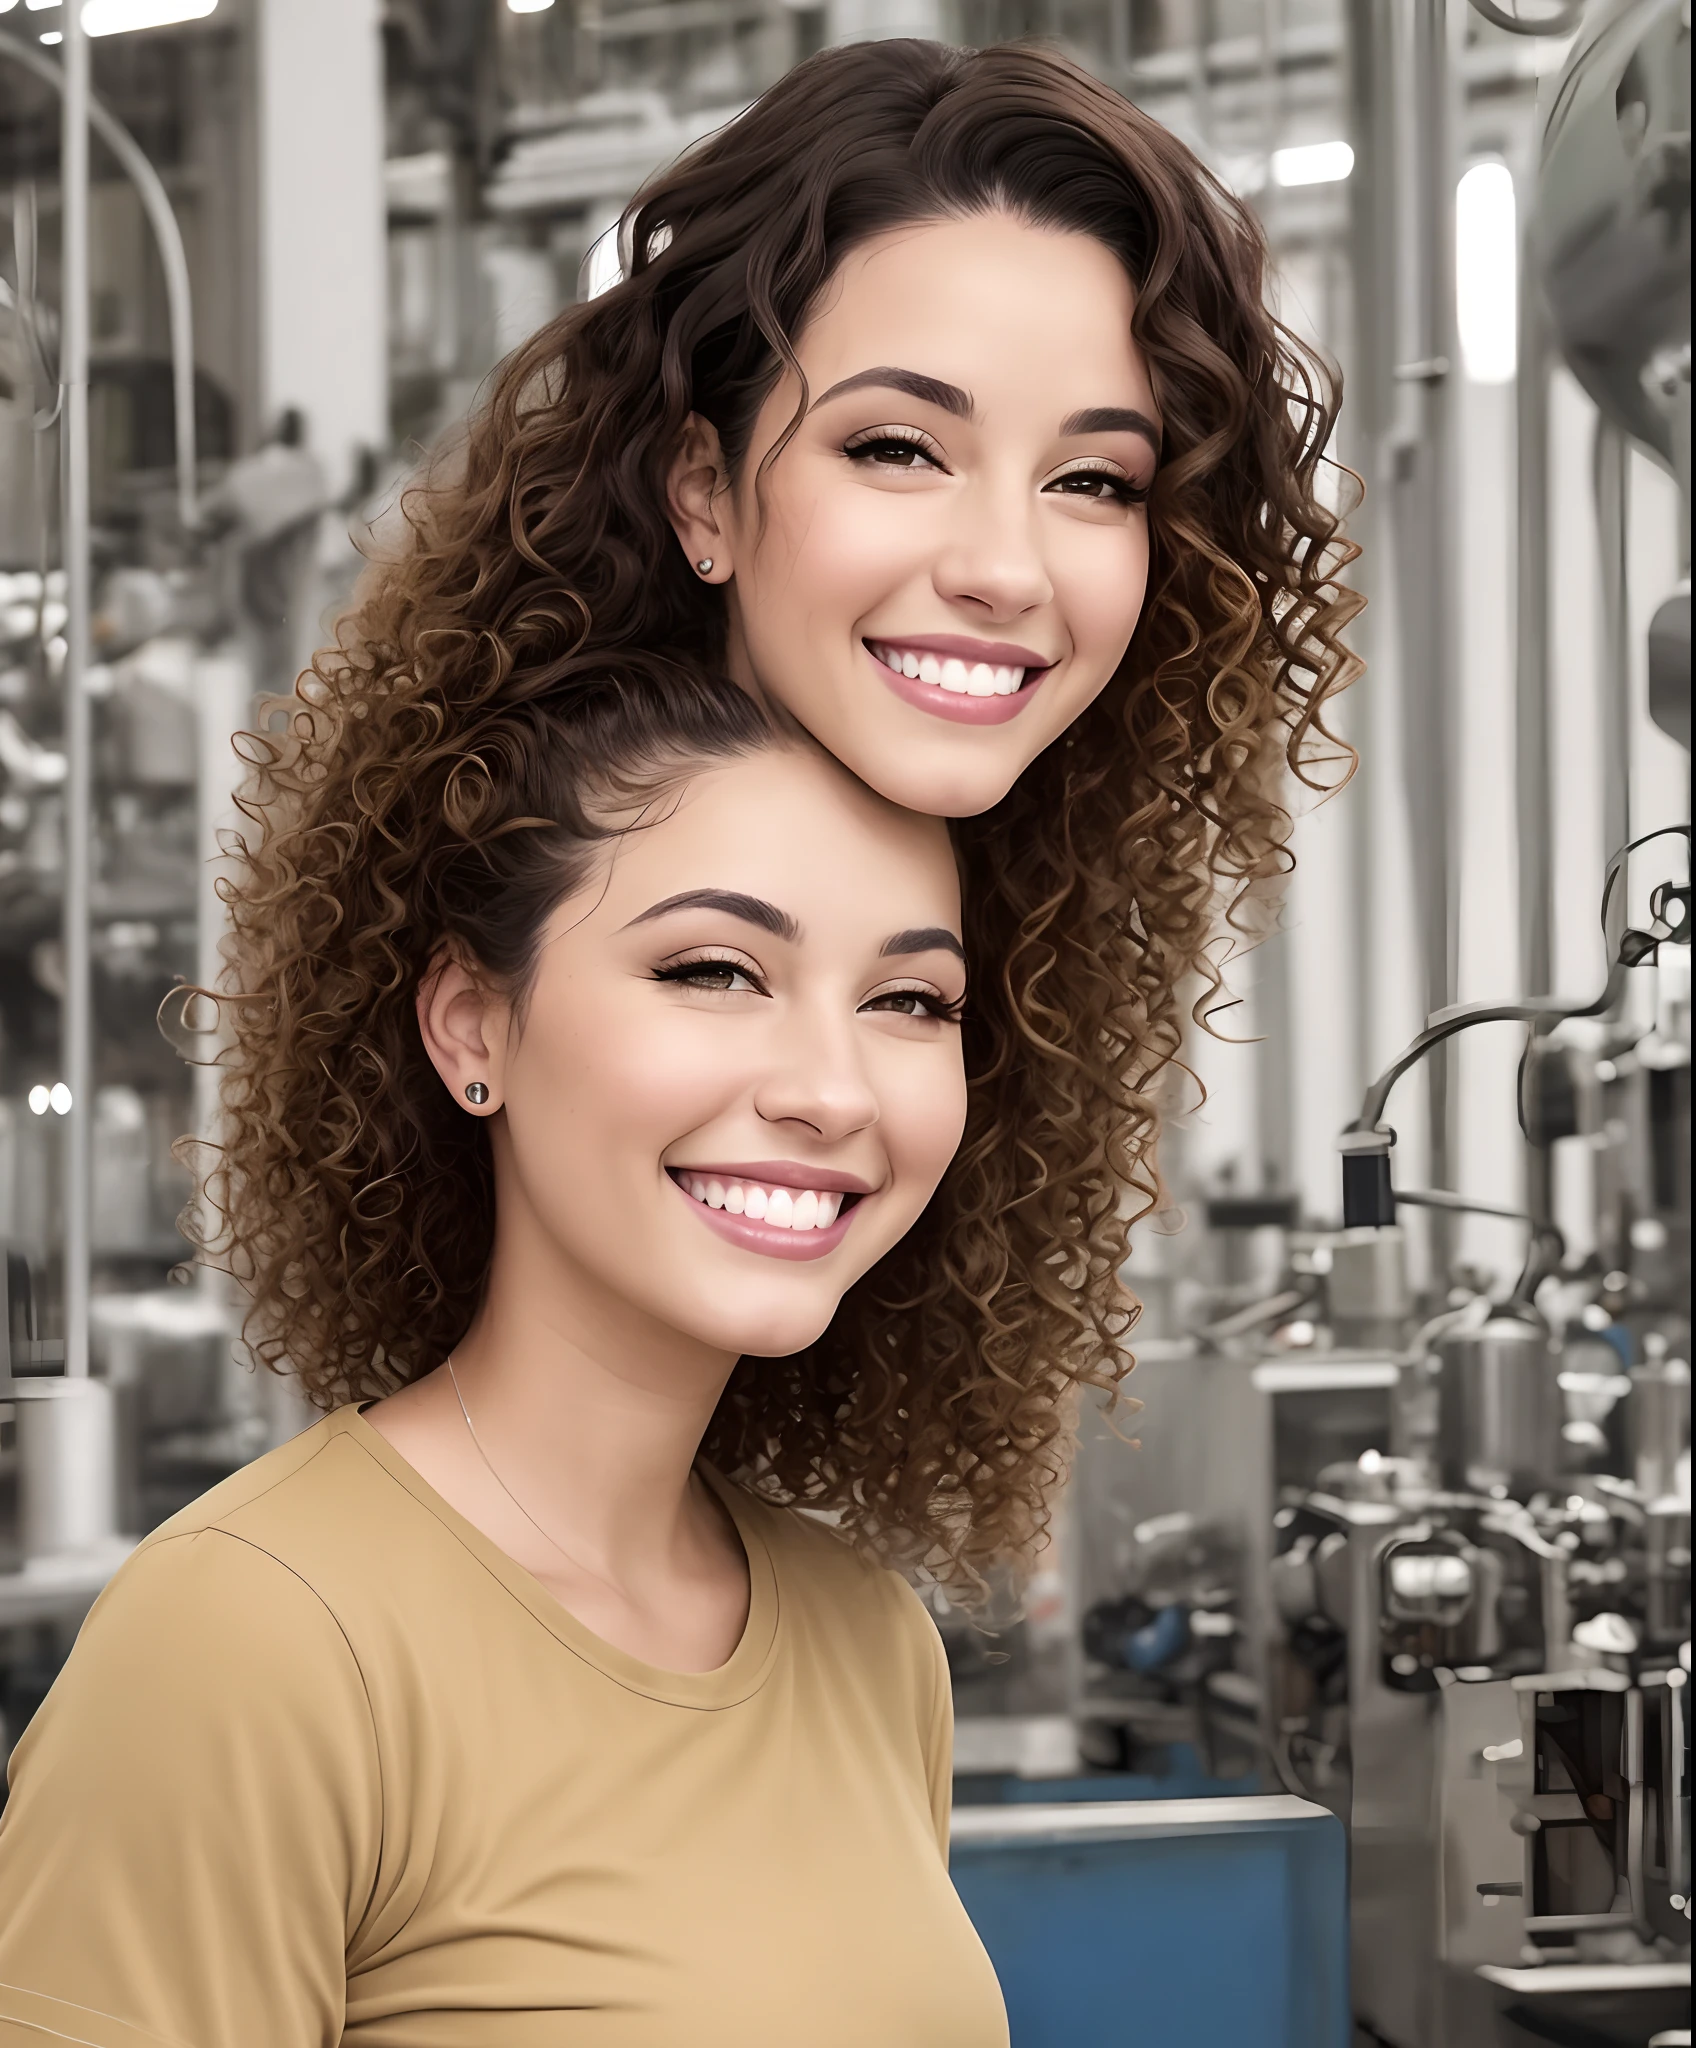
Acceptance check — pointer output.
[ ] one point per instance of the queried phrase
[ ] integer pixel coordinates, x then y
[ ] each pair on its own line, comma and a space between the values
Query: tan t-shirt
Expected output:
326, 1765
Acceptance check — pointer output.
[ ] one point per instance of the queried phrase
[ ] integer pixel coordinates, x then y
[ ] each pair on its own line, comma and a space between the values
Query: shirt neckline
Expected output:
737, 1679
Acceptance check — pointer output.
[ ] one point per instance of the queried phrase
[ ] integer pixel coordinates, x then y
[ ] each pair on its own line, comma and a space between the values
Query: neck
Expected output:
590, 1412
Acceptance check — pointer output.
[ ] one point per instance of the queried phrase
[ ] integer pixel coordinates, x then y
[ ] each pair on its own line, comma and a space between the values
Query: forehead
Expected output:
990, 303
790, 825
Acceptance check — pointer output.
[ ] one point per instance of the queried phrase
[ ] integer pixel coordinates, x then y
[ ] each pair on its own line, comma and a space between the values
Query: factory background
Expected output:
376, 200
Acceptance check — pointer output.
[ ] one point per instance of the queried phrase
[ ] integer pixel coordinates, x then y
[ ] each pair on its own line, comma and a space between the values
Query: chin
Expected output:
770, 1336
937, 792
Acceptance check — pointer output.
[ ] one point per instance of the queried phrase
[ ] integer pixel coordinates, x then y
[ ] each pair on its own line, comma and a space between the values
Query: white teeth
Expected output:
968, 679
783, 1208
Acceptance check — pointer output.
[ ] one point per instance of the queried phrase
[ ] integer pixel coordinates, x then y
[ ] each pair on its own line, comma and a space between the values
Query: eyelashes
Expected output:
899, 447
928, 1000
910, 449
1108, 486
718, 974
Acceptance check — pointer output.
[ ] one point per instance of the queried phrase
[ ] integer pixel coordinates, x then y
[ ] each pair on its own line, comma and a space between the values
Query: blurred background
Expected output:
1407, 1537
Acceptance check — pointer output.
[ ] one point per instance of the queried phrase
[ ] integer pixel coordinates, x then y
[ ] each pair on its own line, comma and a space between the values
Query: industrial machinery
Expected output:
1417, 1544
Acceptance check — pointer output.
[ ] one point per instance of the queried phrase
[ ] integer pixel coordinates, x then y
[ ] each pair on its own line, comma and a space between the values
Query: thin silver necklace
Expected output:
552, 1541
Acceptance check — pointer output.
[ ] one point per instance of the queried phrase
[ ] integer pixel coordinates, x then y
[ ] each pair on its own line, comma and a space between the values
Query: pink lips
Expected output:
941, 703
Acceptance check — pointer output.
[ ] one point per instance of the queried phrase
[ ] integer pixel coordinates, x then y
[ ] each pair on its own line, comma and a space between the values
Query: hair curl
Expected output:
355, 1200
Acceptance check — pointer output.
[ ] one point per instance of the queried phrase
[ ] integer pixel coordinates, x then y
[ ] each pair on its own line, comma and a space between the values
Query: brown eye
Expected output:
893, 451
916, 1002
1101, 487
714, 976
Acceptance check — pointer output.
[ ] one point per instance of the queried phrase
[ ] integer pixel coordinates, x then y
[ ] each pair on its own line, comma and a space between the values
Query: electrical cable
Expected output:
1633, 948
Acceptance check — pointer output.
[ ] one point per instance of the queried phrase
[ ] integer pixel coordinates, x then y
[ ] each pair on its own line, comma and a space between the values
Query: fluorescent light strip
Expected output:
1487, 274
118, 17
1312, 163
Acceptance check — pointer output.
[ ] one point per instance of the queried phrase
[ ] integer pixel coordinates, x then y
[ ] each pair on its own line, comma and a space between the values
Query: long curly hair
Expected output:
430, 755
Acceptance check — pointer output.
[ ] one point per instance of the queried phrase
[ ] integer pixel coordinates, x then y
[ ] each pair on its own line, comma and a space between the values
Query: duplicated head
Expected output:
933, 535
957, 369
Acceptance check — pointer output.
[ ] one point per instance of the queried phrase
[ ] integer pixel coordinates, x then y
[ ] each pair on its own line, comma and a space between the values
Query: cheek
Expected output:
829, 554
1101, 581
616, 1082
924, 1118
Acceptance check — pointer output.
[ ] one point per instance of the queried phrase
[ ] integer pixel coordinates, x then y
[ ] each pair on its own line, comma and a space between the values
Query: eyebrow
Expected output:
949, 398
929, 938
927, 390
752, 910
768, 917
1113, 419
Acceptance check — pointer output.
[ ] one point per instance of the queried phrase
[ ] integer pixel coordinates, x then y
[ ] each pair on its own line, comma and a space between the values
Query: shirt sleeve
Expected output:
195, 1815
934, 1690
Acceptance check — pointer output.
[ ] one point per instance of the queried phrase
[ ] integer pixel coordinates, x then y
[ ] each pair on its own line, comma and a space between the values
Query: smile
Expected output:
971, 683
964, 679
780, 1207
786, 1222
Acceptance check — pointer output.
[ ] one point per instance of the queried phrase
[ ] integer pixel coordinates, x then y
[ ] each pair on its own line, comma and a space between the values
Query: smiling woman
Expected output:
513, 1708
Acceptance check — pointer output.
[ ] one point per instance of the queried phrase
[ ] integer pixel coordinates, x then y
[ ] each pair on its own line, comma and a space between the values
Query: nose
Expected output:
993, 563
817, 1079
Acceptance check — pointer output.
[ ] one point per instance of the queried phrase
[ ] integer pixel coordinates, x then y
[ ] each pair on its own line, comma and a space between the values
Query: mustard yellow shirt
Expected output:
326, 1765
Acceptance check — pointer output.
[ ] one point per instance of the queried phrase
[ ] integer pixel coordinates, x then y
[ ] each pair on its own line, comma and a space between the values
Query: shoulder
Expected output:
870, 1604
259, 1580
320, 1507
286, 1484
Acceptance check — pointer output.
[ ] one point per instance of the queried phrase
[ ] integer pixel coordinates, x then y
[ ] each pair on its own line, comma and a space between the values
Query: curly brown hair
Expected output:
541, 576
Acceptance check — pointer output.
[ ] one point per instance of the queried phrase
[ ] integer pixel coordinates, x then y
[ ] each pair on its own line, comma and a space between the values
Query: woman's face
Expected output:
736, 1078
945, 564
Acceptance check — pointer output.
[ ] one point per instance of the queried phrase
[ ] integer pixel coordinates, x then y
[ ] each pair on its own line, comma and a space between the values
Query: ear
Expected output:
464, 1026
696, 491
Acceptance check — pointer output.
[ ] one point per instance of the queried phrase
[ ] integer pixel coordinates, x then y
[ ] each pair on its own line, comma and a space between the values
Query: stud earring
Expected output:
477, 1093
705, 565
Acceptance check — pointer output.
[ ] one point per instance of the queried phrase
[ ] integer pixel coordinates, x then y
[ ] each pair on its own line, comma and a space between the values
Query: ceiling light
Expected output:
116, 17
528, 6
1312, 163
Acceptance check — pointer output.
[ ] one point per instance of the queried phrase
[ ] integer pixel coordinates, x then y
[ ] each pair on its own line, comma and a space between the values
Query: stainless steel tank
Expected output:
1499, 1408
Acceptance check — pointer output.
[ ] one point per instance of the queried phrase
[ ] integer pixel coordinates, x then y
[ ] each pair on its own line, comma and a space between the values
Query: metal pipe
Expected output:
78, 1024
173, 260
1610, 477
1364, 420
1533, 750
1420, 491
1532, 753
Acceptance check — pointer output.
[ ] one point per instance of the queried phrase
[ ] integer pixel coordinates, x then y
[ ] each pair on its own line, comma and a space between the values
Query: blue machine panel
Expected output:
1182, 1923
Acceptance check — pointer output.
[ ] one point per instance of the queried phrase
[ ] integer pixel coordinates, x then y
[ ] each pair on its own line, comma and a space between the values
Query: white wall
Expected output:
318, 71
